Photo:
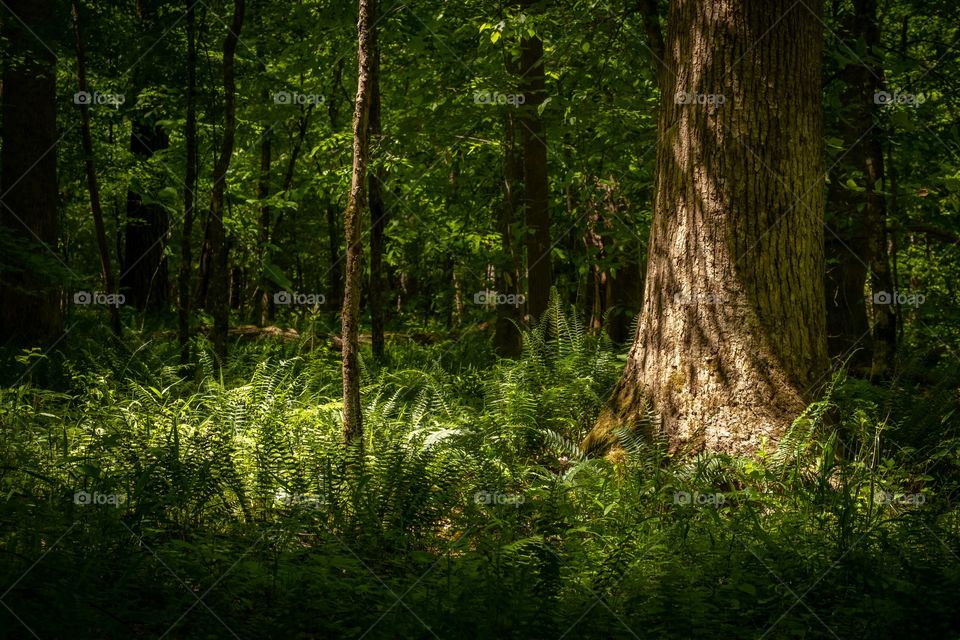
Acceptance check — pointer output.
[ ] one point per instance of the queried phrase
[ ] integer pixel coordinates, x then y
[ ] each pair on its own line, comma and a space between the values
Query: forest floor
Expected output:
141, 499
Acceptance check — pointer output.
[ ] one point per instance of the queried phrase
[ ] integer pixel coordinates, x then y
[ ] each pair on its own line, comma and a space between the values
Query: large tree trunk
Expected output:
732, 332
93, 185
350, 314
30, 302
189, 187
219, 251
378, 221
536, 196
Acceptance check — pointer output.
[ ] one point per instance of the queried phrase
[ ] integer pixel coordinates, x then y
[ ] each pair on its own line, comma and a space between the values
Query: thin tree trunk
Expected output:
219, 270
350, 314
30, 302
91, 170
731, 341
189, 187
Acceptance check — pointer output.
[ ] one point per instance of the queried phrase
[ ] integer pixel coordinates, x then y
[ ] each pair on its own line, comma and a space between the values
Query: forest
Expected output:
479, 319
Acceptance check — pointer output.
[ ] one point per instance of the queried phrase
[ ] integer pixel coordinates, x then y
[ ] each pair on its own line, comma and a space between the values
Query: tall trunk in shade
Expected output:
536, 196
731, 340
356, 203
30, 302
219, 251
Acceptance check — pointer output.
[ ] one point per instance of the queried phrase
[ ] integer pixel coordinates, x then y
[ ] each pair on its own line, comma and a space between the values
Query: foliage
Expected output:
472, 512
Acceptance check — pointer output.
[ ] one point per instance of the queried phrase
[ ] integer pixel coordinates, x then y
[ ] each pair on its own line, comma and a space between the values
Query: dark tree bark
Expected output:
536, 196
650, 14
219, 251
189, 187
732, 332
30, 302
350, 314
91, 169
378, 219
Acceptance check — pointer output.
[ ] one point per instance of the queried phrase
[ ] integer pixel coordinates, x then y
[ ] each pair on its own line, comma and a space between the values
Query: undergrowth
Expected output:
223, 503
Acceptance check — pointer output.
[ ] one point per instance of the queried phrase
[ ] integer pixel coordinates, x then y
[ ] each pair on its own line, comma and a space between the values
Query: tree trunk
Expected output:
350, 314
536, 196
378, 219
189, 187
219, 271
91, 170
30, 302
732, 332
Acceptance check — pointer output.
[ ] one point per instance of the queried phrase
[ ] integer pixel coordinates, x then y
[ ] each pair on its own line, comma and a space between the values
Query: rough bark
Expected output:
732, 332
219, 251
90, 166
350, 314
30, 302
